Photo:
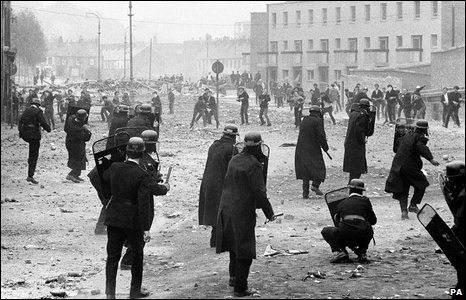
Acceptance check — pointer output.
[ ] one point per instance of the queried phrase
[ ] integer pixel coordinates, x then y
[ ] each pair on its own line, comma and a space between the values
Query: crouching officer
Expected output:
29, 130
130, 213
243, 191
353, 221
455, 188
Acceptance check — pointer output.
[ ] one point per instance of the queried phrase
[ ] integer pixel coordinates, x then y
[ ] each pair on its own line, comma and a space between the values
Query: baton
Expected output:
277, 215
168, 174
328, 155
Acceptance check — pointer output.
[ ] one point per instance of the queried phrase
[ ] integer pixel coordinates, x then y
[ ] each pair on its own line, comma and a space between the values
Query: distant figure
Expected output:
171, 101
52, 78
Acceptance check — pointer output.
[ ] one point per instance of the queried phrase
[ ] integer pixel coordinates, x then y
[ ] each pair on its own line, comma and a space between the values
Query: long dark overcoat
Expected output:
412, 147
354, 160
220, 154
243, 191
76, 137
308, 160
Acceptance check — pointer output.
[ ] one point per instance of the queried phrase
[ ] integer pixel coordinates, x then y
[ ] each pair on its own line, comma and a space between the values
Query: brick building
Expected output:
318, 41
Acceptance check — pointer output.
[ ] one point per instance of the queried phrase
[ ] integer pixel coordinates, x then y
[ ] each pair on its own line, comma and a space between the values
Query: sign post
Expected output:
217, 67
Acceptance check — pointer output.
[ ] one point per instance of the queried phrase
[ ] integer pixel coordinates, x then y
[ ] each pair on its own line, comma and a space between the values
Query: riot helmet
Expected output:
135, 147
145, 109
455, 172
231, 130
150, 138
81, 115
356, 186
252, 139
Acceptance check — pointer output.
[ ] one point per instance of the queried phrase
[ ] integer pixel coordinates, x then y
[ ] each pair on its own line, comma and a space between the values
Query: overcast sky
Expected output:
219, 16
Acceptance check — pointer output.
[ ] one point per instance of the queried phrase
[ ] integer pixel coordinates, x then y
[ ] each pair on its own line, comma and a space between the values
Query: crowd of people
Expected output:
233, 185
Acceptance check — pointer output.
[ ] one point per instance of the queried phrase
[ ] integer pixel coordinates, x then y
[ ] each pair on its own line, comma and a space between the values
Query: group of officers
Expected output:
233, 186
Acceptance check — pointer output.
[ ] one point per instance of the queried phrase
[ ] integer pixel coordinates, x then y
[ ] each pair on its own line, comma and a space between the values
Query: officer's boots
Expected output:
305, 189
404, 209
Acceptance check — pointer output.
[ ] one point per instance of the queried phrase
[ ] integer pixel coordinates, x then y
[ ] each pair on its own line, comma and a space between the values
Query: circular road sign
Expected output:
217, 67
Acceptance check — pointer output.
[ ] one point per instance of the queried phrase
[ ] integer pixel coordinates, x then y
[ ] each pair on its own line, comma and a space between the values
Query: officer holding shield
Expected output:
353, 225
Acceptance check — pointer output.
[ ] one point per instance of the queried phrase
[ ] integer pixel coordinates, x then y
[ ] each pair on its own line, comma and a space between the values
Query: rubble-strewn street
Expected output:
48, 246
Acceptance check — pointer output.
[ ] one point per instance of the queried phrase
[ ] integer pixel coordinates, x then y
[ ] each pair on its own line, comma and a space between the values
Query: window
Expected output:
337, 43
285, 45
434, 8
63, 61
417, 9
353, 44
417, 41
399, 10
274, 20
285, 74
353, 13
310, 75
285, 19
324, 45
367, 42
298, 18
298, 46
78, 61
367, 9
383, 11
324, 16
433, 41
337, 74
91, 62
274, 46
383, 42
338, 15
310, 44
399, 41
311, 16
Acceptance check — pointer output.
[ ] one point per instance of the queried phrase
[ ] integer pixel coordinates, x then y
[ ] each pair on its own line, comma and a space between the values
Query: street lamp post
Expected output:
98, 57
130, 43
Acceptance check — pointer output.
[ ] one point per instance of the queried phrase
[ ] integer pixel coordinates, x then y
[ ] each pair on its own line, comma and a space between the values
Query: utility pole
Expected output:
453, 24
150, 60
124, 59
130, 43
98, 55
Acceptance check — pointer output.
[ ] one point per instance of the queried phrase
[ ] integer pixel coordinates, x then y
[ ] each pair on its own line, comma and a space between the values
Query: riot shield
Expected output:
444, 237
333, 198
402, 127
104, 156
264, 162
446, 192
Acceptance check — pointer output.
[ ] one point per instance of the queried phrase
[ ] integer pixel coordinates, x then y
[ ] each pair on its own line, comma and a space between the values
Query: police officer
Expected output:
455, 187
218, 157
243, 191
77, 134
354, 220
309, 162
144, 118
29, 130
406, 169
148, 164
130, 214
359, 129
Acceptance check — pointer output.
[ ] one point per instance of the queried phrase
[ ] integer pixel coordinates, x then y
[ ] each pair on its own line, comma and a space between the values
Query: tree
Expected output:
28, 38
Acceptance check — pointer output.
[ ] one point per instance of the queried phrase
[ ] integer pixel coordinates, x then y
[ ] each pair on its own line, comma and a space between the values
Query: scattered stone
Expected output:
28, 261
31, 247
71, 230
173, 215
356, 275
95, 292
288, 217
74, 274
438, 250
50, 280
4, 247
58, 293
65, 210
